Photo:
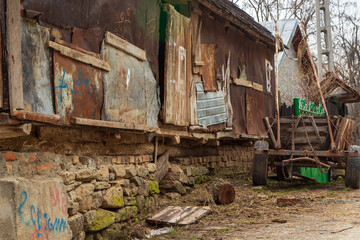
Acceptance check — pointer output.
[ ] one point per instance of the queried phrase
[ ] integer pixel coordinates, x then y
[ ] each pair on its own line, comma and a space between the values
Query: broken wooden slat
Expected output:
162, 167
316, 129
13, 42
271, 133
15, 131
124, 46
194, 215
179, 215
249, 84
80, 56
108, 124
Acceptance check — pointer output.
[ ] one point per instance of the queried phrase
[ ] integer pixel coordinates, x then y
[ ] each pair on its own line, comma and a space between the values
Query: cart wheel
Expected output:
352, 177
260, 164
348, 174
280, 174
354, 167
260, 170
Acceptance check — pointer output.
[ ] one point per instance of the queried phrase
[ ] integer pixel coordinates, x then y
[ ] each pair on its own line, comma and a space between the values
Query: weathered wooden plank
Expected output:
327, 153
249, 84
109, 124
80, 56
179, 215
316, 129
13, 42
162, 166
177, 68
194, 215
124, 46
270, 131
183, 134
37, 117
15, 131
151, 97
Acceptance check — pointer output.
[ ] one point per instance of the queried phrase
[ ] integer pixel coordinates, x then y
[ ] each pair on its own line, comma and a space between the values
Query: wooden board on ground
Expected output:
179, 215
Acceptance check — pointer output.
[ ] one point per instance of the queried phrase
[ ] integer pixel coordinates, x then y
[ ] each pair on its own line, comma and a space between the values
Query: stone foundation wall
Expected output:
103, 194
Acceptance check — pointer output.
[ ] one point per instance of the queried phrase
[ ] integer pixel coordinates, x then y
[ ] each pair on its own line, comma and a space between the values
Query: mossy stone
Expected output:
153, 188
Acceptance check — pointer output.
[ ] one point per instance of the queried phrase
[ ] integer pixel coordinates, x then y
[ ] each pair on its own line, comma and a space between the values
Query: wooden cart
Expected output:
305, 142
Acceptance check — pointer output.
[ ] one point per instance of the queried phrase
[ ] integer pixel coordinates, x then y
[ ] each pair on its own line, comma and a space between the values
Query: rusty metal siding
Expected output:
245, 51
209, 69
124, 88
177, 68
211, 108
137, 21
36, 61
78, 88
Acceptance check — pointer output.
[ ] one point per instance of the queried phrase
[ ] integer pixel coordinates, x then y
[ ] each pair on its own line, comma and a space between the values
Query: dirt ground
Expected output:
325, 211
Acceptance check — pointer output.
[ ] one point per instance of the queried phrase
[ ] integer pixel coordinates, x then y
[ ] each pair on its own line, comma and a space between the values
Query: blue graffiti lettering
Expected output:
62, 86
32, 210
21, 206
42, 221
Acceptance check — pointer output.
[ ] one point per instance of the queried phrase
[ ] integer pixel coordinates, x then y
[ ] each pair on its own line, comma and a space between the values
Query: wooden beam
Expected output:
79, 56
316, 129
125, 46
184, 134
227, 135
328, 153
13, 42
37, 117
293, 131
7, 131
271, 133
108, 124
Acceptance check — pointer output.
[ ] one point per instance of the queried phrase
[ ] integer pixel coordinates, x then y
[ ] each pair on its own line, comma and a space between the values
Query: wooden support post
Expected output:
333, 146
22, 130
316, 129
271, 133
277, 39
13, 42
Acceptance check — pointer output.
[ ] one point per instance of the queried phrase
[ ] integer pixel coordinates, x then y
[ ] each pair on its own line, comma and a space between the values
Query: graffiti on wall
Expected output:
44, 223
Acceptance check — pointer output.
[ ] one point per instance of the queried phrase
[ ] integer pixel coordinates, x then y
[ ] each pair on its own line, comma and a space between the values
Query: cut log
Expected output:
222, 192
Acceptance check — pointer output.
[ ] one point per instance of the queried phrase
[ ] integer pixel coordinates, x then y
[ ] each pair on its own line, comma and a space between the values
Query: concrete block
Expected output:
33, 209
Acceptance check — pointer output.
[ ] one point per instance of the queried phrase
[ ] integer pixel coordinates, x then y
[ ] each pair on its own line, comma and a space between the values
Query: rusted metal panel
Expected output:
36, 60
211, 108
124, 88
209, 68
88, 39
137, 21
177, 71
78, 88
255, 112
151, 97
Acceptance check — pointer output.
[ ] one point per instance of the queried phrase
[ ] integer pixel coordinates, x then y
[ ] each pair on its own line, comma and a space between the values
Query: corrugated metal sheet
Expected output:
209, 68
177, 69
36, 61
211, 108
78, 88
124, 88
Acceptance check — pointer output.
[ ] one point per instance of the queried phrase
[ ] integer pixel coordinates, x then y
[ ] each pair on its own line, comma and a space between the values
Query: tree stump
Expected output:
222, 192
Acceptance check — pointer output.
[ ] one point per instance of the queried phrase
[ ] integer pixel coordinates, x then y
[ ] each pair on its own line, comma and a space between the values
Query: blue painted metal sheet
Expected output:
36, 70
211, 108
